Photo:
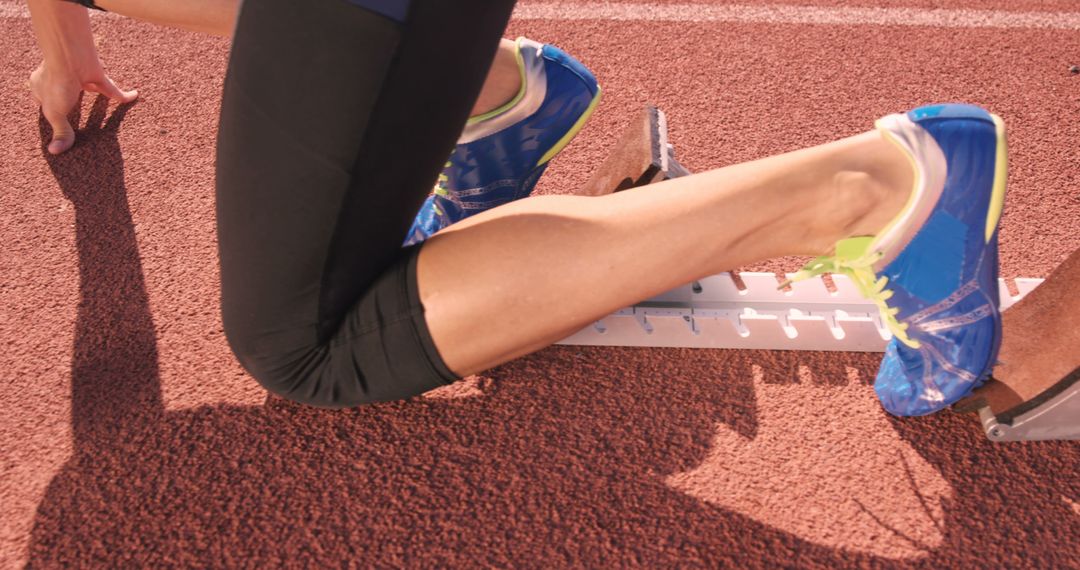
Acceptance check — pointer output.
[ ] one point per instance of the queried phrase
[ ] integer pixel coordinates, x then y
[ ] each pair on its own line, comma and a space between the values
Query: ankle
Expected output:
503, 80
876, 189
866, 203
843, 206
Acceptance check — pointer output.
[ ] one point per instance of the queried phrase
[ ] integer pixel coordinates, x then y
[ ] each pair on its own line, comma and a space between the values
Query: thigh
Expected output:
336, 120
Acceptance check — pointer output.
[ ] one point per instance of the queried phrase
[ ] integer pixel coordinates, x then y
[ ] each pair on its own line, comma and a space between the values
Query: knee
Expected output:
380, 350
292, 371
335, 374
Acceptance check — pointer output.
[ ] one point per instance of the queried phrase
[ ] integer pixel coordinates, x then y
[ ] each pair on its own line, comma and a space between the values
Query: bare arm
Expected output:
63, 33
215, 17
71, 63
70, 66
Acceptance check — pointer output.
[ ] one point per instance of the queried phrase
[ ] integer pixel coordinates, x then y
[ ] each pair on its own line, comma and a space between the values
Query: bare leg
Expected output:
503, 80
519, 277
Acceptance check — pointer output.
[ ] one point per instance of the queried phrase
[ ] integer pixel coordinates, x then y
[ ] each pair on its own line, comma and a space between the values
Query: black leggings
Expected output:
336, 119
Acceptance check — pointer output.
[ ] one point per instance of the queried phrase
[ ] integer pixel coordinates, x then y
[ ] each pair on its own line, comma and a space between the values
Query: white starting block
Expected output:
715, 312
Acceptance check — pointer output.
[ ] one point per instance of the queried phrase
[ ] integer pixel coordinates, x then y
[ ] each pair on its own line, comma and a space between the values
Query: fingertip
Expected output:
124, 97
58, 146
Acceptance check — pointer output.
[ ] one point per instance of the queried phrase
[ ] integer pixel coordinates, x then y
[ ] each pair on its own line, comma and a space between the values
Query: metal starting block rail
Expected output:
715, 313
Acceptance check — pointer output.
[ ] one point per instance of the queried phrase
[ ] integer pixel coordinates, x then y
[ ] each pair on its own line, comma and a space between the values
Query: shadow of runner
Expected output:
115, 351
562, 463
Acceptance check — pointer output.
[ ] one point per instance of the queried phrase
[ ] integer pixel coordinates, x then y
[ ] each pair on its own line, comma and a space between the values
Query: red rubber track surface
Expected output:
129, 436
1004, 5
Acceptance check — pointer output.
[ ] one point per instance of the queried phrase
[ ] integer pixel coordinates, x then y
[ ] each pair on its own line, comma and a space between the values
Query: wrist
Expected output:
63, 33
88, 3
59, 77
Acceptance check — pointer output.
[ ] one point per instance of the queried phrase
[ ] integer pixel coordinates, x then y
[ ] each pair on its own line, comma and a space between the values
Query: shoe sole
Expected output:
993, 217
1001, 165
578, 125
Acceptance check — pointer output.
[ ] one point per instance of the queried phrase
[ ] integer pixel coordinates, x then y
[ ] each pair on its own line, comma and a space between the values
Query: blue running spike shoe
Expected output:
937, 262
501, 154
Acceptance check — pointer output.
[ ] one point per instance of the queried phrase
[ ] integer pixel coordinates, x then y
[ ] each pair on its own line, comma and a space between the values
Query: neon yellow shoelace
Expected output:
854, 259
441, 189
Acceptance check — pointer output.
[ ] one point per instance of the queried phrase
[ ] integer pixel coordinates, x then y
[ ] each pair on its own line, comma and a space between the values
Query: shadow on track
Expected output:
561, 463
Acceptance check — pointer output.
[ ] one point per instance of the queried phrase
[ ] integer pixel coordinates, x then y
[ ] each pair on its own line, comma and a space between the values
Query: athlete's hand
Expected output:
57, 91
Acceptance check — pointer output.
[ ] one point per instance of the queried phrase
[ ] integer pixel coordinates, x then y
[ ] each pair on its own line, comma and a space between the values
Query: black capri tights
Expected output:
336, 119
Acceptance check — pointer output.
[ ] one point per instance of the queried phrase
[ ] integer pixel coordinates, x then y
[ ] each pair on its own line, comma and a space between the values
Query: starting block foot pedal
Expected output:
641, 156
1035, 393
1054, 414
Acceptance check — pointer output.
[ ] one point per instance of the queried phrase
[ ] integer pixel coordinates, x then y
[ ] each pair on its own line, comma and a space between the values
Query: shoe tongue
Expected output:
846, 256
851, 249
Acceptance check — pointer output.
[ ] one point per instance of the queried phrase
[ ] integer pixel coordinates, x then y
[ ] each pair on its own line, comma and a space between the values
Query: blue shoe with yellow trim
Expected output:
501, 155
936, 263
